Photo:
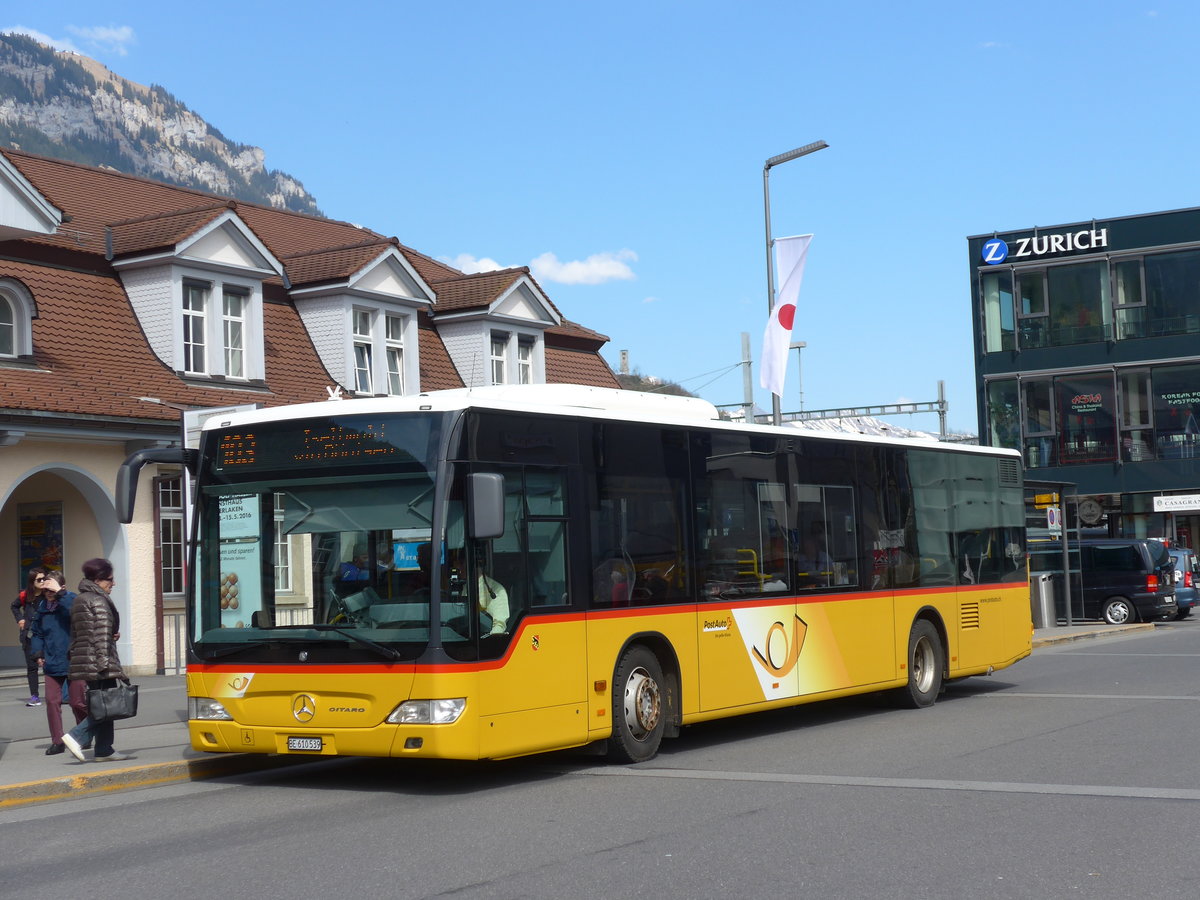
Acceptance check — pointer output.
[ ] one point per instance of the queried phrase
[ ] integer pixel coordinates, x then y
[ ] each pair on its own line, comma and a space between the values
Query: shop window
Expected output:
1130, 299
1038, 405
1171, 283
1177, 411
1087, 419
1003, 414
1078, 302
1031, 287
1137, 434
998, 311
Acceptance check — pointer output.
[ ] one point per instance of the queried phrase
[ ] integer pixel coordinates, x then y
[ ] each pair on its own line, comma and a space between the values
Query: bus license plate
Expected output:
304, 743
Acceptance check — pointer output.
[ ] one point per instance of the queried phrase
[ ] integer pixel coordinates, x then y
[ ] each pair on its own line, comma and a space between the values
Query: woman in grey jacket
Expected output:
95, 627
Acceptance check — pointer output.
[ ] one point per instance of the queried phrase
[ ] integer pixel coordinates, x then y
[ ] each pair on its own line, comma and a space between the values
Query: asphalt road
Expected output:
1069, 774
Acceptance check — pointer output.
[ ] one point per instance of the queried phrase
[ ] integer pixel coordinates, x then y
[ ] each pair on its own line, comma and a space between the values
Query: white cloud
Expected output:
465, 262
57, 43
596, 269
650, 300
110, 38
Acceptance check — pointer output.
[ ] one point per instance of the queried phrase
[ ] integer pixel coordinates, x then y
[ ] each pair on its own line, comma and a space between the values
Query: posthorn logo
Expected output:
995, 252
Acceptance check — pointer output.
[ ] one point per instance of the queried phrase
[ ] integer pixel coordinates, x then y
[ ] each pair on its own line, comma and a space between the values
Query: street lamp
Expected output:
776, 411
799, 346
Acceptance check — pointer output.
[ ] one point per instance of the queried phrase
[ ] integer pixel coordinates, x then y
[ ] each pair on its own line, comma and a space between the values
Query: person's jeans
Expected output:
100, 732
52, 697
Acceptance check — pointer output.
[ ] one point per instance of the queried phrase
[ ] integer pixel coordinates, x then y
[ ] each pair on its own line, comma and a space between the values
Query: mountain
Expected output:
71, 107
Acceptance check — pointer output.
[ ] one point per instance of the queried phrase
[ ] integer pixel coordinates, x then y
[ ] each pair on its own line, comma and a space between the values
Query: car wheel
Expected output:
1118, 611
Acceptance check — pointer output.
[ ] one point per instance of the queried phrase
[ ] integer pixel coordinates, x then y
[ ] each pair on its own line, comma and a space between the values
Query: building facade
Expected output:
1087, 359
126, 302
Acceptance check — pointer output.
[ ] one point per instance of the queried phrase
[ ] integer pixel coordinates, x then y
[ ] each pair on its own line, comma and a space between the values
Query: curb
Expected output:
108, 780
1091, 634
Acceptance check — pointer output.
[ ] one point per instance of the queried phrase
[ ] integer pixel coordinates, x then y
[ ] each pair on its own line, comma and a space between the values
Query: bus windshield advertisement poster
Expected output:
241, 560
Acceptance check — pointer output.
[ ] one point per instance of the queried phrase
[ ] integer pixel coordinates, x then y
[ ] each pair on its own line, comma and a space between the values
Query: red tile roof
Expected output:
91, 356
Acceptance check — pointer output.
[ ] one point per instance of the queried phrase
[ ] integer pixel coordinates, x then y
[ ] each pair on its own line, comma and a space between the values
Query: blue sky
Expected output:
617, 148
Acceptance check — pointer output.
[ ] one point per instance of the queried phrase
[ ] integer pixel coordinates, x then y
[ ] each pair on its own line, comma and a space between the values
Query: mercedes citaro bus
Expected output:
485, 573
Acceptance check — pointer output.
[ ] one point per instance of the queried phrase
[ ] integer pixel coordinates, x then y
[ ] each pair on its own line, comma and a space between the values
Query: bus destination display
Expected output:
312, 444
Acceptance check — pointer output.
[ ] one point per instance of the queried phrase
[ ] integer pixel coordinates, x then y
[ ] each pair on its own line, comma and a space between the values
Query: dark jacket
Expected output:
22, 609
51, 631
94, 621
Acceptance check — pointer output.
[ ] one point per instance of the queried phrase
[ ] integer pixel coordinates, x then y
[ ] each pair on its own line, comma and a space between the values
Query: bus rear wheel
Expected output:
926, 663
638, 709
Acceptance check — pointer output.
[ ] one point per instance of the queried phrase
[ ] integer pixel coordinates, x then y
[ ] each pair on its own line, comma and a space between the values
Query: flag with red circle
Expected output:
790, 255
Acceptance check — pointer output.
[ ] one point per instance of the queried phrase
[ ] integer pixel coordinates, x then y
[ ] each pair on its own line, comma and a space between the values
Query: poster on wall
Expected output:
241, 560
41, 527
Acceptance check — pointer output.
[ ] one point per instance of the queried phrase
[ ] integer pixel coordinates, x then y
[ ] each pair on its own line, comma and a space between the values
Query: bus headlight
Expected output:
428, 712
207, 708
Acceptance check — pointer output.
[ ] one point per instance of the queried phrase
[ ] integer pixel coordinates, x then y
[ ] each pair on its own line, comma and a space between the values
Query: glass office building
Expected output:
1087, 360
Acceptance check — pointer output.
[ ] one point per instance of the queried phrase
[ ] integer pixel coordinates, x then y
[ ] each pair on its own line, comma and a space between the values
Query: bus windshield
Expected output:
319, 540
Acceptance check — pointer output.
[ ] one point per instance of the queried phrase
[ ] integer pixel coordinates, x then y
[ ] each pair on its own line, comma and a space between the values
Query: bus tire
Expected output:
639, 712
926, 663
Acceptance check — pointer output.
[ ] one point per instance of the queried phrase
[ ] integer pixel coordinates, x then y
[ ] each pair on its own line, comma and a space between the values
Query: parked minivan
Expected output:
1118, 580
1185, 580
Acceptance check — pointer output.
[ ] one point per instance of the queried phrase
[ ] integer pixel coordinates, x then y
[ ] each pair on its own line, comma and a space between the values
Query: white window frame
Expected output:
526, 347
233, 330
362, 345
194, 326
172, 562
393, 345
19, 302
498, 354
231, 345
283, 551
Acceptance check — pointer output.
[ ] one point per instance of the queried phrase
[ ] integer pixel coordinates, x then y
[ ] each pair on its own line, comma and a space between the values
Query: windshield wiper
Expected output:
236, 648
386, 652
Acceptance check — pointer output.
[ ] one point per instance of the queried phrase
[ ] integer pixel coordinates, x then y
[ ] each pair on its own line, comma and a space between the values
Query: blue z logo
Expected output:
995, 251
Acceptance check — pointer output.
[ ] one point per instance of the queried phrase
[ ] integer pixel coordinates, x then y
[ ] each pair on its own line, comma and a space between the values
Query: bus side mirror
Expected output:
486, 494
127, 475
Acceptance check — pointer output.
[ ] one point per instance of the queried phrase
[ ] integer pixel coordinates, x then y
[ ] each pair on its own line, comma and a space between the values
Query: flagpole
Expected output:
776, 409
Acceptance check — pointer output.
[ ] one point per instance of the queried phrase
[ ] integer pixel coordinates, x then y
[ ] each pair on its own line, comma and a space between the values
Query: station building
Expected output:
1087, 360
127, 303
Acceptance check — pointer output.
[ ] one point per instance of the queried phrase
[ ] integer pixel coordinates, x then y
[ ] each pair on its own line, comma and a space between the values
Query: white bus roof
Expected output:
561, 399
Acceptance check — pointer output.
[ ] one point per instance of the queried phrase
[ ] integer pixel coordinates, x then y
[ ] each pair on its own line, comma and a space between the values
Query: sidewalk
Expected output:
158, 738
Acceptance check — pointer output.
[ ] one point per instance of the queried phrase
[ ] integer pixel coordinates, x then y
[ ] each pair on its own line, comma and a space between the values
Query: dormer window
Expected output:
499, 358
515, 358
377, 359
363, 357
8, 327
225, 329
394, 341
16, 320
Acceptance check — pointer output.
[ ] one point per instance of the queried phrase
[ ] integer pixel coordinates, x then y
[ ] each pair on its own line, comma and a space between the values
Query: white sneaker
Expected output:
115, 756
73, 746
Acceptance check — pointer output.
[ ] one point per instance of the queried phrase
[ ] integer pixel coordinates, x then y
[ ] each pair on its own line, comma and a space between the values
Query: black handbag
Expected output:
111, 703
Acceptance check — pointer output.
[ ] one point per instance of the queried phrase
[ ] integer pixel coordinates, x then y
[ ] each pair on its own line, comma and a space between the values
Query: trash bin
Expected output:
1041, 600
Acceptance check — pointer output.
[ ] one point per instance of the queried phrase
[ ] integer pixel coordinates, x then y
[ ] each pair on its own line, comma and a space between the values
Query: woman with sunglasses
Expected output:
50, 645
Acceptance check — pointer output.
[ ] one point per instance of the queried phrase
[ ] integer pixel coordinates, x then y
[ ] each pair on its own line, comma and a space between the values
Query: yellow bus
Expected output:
481, 574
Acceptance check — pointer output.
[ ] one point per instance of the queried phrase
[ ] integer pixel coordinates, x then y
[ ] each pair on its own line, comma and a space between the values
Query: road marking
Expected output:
923, 784
1041, 696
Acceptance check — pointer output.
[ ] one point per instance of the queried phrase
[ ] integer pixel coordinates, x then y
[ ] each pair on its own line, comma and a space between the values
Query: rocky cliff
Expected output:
71, 107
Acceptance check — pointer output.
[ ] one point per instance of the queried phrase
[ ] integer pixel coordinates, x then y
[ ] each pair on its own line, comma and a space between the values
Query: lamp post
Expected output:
776, 411
799, 346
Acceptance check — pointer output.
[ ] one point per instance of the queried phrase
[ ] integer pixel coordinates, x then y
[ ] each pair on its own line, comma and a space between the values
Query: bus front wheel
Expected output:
926, 663
638, 710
